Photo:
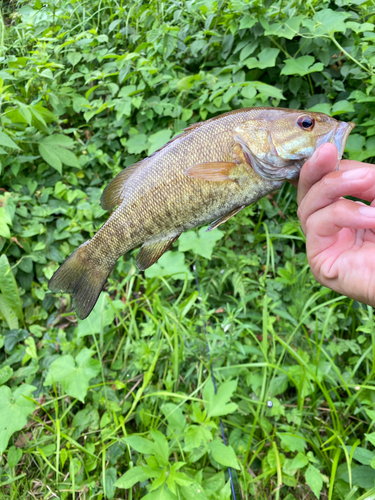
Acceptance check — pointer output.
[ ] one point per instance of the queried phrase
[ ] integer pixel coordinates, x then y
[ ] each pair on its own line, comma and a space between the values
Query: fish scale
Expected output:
210, 172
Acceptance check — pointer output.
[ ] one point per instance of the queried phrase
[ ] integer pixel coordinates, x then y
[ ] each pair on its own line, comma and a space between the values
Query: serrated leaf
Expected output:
224, 455
218, 404
74, 375
301, 66
314, 479
14, 410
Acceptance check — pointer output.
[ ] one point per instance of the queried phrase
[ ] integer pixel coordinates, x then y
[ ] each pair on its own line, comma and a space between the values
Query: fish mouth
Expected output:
340, 136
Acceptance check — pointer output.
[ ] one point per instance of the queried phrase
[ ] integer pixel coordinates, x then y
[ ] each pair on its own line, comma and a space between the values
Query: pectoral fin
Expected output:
224, 218
216, 171
151, 252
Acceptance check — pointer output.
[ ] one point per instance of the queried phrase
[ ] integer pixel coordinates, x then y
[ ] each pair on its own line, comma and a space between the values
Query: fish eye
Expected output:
306, 122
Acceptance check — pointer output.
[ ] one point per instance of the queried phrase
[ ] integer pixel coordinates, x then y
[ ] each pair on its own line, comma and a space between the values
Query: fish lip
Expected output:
340, 136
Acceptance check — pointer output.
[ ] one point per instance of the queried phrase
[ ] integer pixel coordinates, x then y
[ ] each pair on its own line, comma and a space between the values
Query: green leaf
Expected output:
322, 108
101, 316
133, 476
265, 59
194, 492
49, 156
161, 447
74, 376
218, 404
201, 242
136, 143
54, 150
7, 142
314, 479
331, 20
14, 456
140, 444
74, 58
268, 90
301, 66
361, 455
158, 140
9, 289
5, 374
110, 480
8, 314
362, 476
14, 410
299, 461
287, 29
170, 264
224, 455
247, 22
162, 493
341, 107
291, 442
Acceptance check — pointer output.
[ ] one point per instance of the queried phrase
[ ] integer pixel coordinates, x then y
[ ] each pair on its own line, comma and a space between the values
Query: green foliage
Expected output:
121, 405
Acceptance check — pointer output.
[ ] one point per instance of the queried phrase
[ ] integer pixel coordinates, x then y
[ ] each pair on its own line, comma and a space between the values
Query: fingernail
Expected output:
356, 173
367, 211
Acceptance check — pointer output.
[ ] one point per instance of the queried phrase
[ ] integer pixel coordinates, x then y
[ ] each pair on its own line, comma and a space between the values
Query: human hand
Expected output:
340, 233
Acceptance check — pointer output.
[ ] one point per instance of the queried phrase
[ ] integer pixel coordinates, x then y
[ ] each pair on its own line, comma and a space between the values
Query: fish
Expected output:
207, 174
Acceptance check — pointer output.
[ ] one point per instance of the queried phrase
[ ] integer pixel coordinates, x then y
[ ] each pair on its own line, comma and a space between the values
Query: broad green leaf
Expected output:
218, 404
341, 107
133, 476
14, 410
8, 314
287, 29
224, 455
140, 444
50, 156
74, 375
194, 492
101, 316
362, 455
14, 456
110, 480
162, 493
301, 66
201, 242
5, 373
175, 417
291, 442
9, 289
268, 90
314, 479
74, 57
332, 21
170, 264
158, 140
265, 59
322, 108
362, 476
7, 142
136, 143
247, 22
161, 447
299, 461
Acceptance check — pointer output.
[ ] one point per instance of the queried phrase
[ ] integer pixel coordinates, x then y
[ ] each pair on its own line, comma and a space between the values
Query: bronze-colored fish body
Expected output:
210, 172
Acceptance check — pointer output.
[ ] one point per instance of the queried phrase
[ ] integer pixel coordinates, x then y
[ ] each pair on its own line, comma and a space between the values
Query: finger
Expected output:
323, 161
350, 164
358, 182
326, 227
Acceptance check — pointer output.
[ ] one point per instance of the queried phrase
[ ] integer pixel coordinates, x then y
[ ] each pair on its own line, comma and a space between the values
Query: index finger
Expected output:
323, 161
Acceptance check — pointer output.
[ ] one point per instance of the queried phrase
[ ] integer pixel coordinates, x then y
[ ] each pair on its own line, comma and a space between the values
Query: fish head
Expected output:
277, 145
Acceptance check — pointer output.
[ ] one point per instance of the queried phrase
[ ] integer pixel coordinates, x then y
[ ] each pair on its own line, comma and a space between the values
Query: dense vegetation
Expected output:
121, 405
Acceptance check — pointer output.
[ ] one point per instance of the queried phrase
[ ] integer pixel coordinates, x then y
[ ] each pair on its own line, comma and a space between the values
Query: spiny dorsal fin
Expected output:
215, 171
151, 252
111, 196
224, 218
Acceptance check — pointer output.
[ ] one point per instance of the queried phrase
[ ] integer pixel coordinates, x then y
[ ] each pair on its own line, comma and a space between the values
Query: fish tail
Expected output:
84, 275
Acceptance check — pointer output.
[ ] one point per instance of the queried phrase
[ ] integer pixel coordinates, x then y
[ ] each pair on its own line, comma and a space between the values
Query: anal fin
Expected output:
224, 218
215, 171
151, 252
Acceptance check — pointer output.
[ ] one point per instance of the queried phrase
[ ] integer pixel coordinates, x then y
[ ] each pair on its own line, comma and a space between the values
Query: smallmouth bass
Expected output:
208, 173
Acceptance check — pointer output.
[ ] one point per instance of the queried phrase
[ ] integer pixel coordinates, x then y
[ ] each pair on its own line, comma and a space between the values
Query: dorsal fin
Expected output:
111, 195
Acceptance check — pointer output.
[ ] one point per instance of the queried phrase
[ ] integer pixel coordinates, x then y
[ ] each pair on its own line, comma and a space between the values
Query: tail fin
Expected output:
80, 276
